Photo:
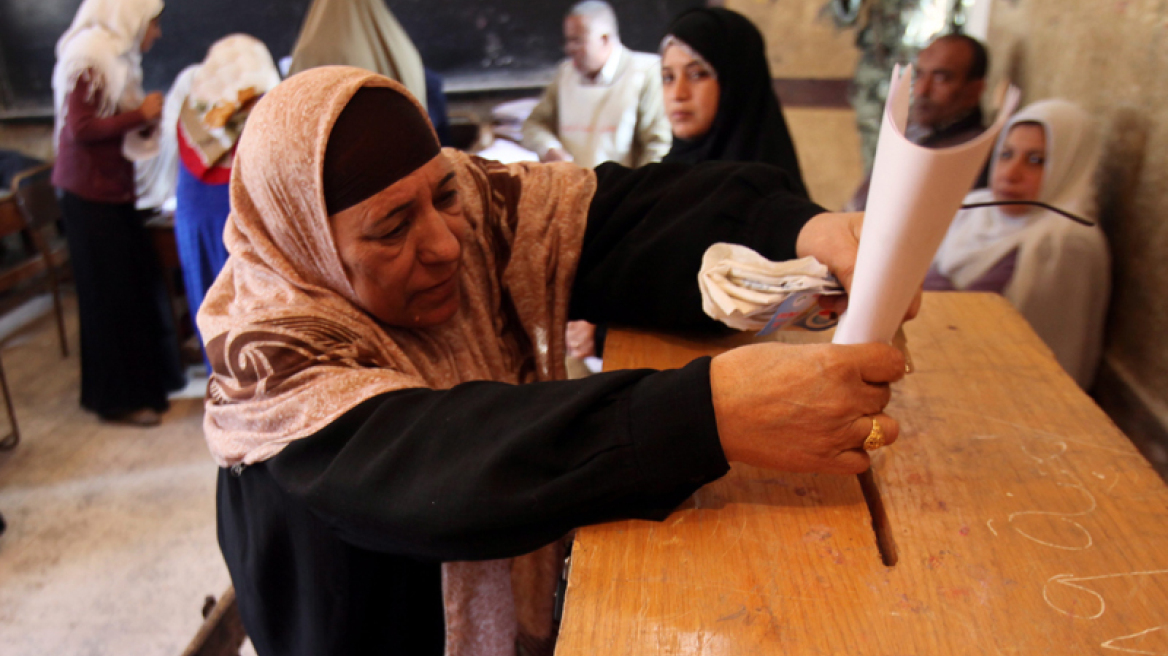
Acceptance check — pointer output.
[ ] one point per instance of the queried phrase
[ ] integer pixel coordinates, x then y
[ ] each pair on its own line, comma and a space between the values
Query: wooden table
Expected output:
1016, 519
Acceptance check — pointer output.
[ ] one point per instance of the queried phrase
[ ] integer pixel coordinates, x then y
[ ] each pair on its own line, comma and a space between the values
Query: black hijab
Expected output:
360, 162
749, 126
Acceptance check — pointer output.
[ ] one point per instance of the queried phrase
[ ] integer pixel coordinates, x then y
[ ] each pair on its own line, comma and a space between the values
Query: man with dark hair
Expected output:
950, 78
946, 110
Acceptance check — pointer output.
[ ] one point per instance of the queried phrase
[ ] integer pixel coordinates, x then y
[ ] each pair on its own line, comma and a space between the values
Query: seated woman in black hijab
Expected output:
719, 96
720, 102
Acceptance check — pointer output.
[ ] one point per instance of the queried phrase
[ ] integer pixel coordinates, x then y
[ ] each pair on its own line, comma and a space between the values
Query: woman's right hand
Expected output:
151, 107
805, 408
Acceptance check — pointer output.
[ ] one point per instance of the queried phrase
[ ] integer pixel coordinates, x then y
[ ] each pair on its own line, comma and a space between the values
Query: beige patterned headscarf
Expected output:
291, 350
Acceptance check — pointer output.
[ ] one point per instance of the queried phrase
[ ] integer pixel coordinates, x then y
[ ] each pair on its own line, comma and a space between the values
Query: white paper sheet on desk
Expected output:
915, 193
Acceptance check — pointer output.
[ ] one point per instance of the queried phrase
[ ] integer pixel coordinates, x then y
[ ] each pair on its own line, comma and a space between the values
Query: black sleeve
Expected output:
649, 227
491, 470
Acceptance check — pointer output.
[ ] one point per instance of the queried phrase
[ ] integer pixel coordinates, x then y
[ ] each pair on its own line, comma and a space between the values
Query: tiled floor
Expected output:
110, 547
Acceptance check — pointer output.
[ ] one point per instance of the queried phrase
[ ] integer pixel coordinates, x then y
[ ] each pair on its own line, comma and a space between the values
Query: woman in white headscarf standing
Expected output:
1056, 271
129, 354
237, 71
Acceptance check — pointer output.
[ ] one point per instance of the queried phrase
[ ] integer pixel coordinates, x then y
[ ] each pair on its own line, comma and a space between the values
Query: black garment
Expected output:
332, 543
129, 350
957, 132
749, 126
648, 230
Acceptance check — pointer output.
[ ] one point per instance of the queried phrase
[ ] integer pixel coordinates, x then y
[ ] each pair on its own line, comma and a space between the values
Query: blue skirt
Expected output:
199, 219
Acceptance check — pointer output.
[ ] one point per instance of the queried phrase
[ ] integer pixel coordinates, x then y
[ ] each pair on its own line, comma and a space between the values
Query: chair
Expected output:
28, 208
39, 210
8, 215
222, 632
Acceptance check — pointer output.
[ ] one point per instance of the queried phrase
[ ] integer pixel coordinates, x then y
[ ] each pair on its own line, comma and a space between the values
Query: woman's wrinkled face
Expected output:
401, 248
1019, 167
691, 93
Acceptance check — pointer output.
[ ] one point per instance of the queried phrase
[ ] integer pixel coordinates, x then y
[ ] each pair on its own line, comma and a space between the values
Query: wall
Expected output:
34, 139
802, 42
1111, 56
804, 46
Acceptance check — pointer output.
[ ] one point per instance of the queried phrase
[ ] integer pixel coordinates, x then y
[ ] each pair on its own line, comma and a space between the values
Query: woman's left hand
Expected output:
834, 239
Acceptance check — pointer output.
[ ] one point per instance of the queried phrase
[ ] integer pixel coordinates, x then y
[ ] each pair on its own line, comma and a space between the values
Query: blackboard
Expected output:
473, 43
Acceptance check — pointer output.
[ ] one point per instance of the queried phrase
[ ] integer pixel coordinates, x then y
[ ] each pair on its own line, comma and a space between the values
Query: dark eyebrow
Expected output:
443, 181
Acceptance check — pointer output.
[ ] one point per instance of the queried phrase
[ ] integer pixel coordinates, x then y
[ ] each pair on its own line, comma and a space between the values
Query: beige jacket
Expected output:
619, 118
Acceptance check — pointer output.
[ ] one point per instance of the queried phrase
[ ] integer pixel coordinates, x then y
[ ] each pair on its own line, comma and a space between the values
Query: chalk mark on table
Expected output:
1063, 517
1070, 580
1109, 644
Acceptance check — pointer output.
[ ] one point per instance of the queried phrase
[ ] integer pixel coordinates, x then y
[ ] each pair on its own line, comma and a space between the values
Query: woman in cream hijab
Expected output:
1054, 270
387, 403
236, 72
104, 44
129, 354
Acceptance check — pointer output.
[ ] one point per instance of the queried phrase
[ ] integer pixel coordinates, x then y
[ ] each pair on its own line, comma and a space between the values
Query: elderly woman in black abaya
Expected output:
399, 451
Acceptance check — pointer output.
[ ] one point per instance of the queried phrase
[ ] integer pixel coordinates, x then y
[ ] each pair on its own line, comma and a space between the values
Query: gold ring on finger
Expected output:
875, 438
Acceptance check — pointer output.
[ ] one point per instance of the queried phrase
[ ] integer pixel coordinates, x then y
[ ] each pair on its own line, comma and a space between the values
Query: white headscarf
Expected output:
105, 38
1061, 279
233, 64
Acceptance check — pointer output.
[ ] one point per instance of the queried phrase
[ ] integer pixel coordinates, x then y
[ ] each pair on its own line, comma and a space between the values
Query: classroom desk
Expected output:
1011, 517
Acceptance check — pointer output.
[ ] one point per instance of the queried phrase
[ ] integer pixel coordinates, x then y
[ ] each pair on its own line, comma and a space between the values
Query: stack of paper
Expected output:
746, 291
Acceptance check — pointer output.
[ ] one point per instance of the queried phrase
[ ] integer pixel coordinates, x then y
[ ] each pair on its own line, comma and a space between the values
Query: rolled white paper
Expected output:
915, 193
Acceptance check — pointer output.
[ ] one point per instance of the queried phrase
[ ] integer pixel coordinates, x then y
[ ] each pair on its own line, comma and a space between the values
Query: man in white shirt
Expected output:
605, 103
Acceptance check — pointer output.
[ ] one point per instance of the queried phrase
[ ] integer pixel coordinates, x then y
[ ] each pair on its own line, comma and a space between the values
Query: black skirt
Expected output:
129, 349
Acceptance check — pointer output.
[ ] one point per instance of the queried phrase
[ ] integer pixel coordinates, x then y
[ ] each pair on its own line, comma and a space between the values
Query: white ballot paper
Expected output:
915, 193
